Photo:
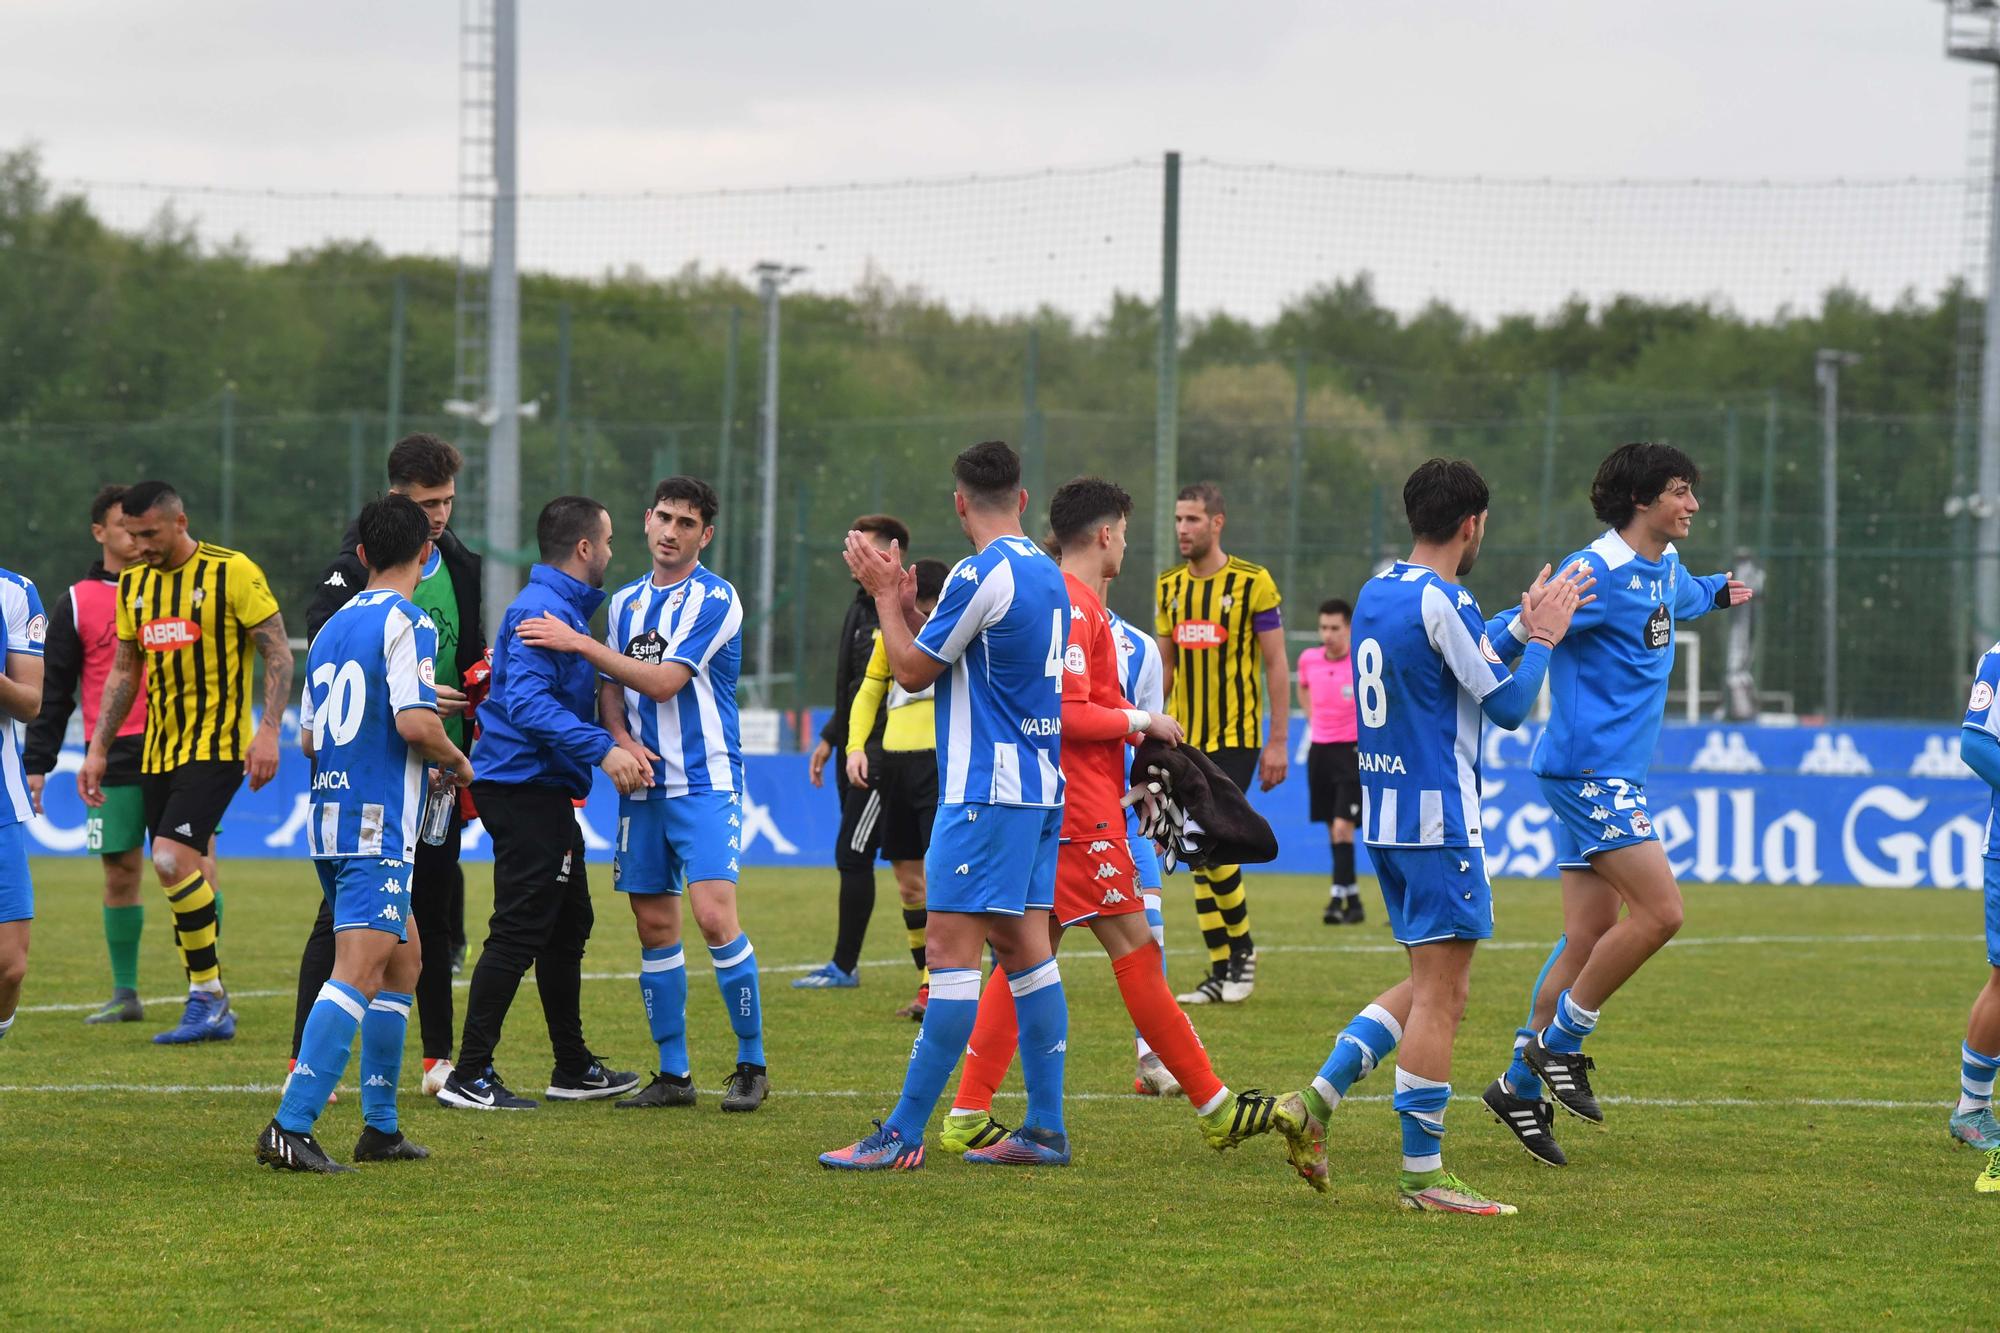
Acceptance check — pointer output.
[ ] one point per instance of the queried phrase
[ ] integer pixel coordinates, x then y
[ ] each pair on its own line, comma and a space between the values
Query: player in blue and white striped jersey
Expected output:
367, 719
1979, 744
1426, 675
1607, 697
1141, 674
995, 648
669, 665
23, 628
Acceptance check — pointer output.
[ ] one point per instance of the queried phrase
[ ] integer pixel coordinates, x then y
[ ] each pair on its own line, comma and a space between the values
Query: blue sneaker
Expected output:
1977, 1129
206, 1018
1025, 1147
829, 977
884, 1150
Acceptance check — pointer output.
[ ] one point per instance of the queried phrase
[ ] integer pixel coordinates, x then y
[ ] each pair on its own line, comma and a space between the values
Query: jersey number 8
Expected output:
1370, 695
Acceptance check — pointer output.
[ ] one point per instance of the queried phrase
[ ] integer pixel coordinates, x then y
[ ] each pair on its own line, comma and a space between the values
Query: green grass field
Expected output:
1776, 1151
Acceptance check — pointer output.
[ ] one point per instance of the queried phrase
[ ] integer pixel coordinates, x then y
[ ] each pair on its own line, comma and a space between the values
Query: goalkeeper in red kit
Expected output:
1097, 883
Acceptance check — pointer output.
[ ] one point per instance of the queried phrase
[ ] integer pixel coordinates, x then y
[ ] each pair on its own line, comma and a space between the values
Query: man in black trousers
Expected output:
425, 469
860, 836
538, 742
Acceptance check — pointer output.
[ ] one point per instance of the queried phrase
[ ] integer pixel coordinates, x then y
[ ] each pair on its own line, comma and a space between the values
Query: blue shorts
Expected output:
367, 893
1596, 815
17, 892
1992, 913
995, 860
666, 843
1435, 893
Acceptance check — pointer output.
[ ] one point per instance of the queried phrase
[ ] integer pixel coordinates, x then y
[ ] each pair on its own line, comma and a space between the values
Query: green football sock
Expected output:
124, 927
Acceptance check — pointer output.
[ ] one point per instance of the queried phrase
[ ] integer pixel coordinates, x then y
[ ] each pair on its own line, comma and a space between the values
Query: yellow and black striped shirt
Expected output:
1218, 694
192, 625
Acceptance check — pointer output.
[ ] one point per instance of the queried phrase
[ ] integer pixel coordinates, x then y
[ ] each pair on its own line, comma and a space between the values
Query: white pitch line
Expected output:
1486, 946
852, 1094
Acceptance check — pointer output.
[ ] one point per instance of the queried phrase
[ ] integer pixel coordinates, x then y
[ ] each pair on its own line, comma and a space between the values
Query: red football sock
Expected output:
1163, 1025
991, 1049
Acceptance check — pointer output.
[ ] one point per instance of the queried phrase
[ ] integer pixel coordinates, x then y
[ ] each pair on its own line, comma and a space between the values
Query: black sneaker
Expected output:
1352, 915
1568, 1077
664, 1090
375, 1146
746, 1089
282, 1150
592, 1084
482, 1093
1333, 916
1531, 1121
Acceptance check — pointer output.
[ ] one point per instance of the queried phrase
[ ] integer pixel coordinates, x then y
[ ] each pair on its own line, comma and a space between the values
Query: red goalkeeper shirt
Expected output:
1094, 722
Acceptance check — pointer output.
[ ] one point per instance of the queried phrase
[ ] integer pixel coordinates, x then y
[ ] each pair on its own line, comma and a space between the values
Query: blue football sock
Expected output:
1420, 1104
1043, 1012
663, 985
736, 978
954, 1003
1364, 1043
1572, 1024
1521, 1080
1975, 1079
323, 1050
382, 1031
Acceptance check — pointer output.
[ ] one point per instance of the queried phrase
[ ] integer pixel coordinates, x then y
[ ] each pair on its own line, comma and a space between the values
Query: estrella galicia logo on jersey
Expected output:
1982, 698
1486, 650
1039, 726
1659, 628
330, 780
169, 635
1073, 661
649, 648
1641, 825
1200, 634
1371, 762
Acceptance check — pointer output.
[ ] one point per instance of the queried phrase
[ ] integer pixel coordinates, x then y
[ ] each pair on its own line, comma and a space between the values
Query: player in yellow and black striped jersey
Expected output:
1222, 648
191, 615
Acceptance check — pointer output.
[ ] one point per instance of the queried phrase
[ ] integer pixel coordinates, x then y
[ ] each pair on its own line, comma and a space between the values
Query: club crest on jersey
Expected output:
1982, 698
169, 635
1228, 601
1200, 634
1641, 825
649, 648
1073, 661
199, 595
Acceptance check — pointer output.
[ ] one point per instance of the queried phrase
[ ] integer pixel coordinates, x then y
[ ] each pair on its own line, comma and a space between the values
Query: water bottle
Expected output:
438, 808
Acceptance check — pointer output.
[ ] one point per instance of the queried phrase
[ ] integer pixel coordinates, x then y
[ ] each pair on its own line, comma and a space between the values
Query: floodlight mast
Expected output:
1972, 33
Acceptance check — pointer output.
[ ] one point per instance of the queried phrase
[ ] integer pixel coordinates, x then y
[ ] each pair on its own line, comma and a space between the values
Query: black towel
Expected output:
1210, 820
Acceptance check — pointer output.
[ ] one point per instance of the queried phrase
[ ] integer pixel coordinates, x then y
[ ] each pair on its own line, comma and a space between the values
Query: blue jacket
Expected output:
536, 724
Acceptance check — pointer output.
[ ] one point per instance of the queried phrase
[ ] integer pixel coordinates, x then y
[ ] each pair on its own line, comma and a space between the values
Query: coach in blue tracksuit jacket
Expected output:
537, 746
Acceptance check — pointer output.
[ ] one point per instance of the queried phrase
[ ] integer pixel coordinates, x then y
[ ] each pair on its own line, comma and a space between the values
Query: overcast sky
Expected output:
668, 96
361, 96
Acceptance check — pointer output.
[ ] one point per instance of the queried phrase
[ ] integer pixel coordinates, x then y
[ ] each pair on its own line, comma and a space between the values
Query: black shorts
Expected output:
906, 781
1239, 764
187, 803
1333, 781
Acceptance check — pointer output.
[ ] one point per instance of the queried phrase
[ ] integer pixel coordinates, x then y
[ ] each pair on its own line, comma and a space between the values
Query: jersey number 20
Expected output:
345, 691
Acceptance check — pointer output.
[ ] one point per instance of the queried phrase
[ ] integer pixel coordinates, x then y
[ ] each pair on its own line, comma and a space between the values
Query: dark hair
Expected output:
423, 460
565, 521
1207, 492
393, 530
1441, 494
108, 498
1078, 506
930, 579
1636, 474
690, 491
147, 496
1333, 606
885, 525
989, 473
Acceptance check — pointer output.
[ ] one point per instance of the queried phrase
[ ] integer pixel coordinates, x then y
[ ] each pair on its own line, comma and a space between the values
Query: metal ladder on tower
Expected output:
475, 211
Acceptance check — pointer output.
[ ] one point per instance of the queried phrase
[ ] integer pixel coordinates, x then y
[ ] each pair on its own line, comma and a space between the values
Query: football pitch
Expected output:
1777, 1088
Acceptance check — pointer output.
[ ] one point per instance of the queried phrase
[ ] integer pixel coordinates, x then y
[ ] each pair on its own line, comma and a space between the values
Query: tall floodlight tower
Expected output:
486, 361
1972, 32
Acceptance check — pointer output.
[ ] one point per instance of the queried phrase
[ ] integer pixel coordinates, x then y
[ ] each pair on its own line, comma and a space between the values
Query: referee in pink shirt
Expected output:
1333, 769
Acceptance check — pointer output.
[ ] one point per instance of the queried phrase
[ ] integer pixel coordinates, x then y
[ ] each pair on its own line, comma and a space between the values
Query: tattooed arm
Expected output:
121, 689
272, 646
